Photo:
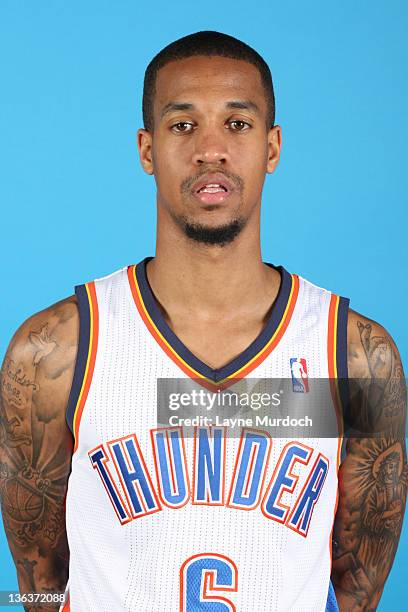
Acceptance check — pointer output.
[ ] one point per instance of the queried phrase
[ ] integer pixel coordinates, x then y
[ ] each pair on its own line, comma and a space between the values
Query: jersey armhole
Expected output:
337, 357
341, 343
342, 364
84, 345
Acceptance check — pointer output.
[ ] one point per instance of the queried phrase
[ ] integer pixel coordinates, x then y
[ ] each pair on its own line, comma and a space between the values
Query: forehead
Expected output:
202, 79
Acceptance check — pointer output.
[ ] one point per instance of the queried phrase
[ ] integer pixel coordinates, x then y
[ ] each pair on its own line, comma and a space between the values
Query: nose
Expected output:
210, 148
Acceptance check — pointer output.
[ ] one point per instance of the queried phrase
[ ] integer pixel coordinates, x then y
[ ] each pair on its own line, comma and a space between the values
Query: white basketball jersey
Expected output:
161, 521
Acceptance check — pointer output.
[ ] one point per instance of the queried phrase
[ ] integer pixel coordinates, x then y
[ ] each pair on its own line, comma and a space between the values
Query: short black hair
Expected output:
210, 44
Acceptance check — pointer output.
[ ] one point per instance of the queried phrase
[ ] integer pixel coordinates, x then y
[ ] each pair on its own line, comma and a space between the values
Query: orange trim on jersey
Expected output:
184, 366
334, 388
332, 335
332, 363
90, 362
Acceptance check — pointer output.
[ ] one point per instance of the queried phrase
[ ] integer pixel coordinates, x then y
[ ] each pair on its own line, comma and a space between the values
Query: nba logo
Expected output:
300, 381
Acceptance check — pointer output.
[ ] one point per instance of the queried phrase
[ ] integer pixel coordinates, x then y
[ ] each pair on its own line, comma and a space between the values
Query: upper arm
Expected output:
35, 442
377, 384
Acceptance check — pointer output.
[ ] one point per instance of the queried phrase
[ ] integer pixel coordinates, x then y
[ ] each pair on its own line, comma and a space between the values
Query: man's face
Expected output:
210, 147
391, 471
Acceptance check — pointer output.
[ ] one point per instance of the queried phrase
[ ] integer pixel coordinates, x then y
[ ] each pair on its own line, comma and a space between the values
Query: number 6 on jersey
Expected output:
203, 578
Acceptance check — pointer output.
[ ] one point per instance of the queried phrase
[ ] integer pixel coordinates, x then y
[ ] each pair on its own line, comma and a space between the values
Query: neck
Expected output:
211, 280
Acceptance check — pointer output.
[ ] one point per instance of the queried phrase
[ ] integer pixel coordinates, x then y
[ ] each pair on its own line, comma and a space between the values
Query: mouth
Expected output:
212, 189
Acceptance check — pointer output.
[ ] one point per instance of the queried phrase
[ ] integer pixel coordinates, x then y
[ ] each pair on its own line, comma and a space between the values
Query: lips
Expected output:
213, 179
212, 188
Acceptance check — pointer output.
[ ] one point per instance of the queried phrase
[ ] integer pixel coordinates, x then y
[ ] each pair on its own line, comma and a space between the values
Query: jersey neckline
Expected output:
239, 366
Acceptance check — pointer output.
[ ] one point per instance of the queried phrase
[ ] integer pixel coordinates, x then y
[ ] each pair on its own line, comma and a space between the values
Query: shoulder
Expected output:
40, 334
40, 360
371, 350
376, 377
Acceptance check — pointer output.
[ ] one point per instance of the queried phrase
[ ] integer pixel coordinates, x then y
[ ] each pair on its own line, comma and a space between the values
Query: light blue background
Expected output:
76, 205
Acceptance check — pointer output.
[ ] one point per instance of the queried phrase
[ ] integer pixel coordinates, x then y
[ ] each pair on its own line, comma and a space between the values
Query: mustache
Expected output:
188, 182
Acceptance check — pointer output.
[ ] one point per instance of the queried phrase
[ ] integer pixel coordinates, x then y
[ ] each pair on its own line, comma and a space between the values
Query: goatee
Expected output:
221, 235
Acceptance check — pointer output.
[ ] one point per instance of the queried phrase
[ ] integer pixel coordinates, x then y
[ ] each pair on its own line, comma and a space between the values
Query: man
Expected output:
155, 521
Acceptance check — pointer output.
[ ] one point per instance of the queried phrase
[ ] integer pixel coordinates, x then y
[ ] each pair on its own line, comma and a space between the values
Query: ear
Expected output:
144, 144
274, 148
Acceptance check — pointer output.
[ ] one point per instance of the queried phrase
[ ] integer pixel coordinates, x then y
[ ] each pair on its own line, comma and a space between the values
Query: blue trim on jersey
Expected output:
82, 355
342, 369
341, 357
253, 349
331, 604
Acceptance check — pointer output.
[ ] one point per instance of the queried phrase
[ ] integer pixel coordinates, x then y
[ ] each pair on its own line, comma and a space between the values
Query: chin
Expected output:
220, 234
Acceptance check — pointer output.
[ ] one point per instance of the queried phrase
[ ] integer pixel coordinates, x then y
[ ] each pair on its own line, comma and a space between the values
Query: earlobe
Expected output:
144, 145
274, 147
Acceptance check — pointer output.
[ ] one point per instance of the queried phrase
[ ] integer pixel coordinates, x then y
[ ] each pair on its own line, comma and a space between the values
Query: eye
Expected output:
182, 127
238, 125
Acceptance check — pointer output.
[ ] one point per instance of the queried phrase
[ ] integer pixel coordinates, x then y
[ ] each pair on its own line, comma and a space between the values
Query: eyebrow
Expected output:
233, 104
176, 106
244, 105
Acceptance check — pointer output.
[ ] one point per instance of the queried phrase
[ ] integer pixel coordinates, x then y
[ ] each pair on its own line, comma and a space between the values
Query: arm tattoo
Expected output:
35, 457
373, 479
43, 343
